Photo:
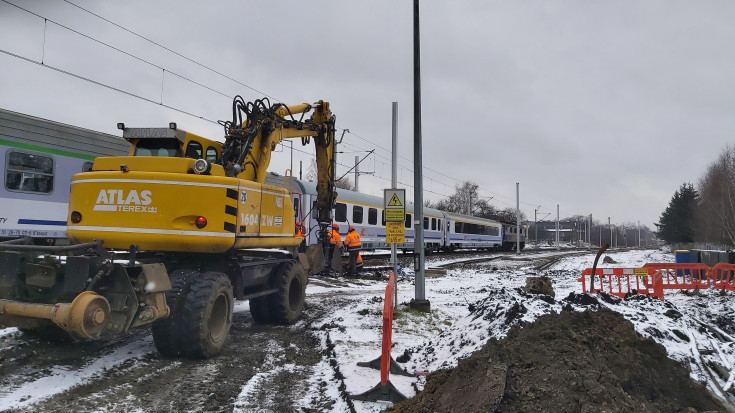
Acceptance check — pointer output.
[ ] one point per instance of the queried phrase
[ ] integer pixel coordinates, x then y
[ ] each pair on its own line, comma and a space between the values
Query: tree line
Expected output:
705, 213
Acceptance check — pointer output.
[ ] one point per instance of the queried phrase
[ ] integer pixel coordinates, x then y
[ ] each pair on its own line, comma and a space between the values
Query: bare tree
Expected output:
343, 182
716, 212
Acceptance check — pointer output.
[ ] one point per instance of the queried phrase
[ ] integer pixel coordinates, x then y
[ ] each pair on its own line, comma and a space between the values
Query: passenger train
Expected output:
443, 231
38, 158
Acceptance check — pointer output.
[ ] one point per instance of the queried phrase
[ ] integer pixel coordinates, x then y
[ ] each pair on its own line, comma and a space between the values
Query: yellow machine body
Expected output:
158, 210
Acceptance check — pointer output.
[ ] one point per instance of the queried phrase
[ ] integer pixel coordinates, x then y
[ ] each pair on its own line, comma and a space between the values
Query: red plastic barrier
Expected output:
722, 276
682, 276
622, 281
387, 330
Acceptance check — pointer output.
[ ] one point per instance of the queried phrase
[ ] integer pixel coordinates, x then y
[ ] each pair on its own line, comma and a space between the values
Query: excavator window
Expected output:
194, 150
211, 154
158, 147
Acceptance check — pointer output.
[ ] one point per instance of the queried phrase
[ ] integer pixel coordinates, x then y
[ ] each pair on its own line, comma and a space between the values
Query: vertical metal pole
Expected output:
639, 234
394, 183
301, 169
518, 219
357, 173
557, 226
609, 228
589, 232
291, 142
535, 226
418, 195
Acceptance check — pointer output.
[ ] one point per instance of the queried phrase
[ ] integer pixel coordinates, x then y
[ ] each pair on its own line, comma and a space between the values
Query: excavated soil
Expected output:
591, 361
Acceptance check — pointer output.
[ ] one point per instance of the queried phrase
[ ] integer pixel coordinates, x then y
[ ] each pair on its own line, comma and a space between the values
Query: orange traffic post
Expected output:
385, 389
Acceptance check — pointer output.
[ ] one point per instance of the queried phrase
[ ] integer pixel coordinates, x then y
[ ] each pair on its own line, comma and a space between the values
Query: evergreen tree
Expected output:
678, 220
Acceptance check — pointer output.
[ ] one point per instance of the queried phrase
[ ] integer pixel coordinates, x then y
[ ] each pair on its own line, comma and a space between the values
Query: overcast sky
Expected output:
604, 108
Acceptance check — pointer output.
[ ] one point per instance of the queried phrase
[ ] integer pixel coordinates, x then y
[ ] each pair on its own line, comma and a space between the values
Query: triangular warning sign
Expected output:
395, 201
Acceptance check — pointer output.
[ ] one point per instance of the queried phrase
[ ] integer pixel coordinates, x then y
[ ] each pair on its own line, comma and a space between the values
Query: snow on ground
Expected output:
469, 306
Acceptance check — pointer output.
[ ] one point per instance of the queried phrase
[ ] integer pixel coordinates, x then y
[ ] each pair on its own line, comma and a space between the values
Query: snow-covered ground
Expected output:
469, 305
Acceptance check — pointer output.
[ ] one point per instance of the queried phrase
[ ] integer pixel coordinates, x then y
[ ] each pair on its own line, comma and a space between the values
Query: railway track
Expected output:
713, 352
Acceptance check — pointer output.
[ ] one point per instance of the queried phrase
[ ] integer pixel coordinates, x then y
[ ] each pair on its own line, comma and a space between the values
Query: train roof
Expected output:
343, 195
27, 131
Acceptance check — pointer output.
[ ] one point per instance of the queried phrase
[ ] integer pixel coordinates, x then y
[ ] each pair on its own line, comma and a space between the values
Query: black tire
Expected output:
260, 309
288, 303
206, 317
166, 332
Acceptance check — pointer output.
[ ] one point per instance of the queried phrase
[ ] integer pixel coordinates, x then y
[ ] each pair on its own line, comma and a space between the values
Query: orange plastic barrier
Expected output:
385, 390
623, 281
387, 330
722, 276
682, 276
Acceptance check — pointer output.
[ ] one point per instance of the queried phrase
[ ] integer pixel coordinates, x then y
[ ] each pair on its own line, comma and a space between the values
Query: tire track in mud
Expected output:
262, 367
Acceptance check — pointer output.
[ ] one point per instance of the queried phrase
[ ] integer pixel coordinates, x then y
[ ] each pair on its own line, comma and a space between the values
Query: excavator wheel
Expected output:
288, 303
206, 316
167, 332
260, 310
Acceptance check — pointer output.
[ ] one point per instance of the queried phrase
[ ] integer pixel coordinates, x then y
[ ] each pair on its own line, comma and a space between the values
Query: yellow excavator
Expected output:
171, 234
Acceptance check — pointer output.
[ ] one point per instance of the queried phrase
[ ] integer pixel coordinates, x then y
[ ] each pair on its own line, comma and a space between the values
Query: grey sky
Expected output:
602, 107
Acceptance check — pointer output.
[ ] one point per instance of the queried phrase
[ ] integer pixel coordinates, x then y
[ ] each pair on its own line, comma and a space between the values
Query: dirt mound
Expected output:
591, 361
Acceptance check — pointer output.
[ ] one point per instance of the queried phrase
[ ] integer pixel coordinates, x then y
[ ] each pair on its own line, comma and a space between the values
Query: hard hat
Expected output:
335, 226
352, 228
298, 223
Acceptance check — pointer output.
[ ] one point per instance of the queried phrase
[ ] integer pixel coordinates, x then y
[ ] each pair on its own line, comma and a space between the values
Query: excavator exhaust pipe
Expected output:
85, 317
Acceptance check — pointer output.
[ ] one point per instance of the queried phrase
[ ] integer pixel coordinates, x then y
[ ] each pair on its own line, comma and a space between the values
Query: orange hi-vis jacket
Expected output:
334, 237
299, 234
352, 241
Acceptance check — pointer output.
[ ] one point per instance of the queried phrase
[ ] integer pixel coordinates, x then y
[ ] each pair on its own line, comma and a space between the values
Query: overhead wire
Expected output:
425, 168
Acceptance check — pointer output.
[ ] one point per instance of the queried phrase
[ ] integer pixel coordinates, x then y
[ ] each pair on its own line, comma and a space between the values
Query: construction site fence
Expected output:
653, 278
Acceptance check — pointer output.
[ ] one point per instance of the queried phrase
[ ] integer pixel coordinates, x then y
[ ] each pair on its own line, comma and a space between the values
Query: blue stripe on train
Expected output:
41, 222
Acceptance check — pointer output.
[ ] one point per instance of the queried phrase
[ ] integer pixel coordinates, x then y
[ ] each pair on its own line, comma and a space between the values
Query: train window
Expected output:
340, 212
382, 221
194, 150
372, 216
211, 154
426, 222
408, 220
87, 166
296, 207
439, 224
433, 224
27, 172
356, 214
459, 227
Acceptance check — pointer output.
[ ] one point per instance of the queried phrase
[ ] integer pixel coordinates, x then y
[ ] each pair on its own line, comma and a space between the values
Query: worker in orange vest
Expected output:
353, 244
335, 241
300, 234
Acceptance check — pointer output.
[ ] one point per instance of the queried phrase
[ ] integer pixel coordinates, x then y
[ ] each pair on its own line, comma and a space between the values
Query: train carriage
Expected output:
37, 159
468, 232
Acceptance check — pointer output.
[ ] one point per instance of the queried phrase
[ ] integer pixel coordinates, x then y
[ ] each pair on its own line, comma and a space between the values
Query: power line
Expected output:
107, 86
172, 51
198, 83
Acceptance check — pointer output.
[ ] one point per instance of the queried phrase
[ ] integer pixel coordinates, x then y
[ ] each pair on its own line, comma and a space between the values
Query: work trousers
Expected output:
353, 261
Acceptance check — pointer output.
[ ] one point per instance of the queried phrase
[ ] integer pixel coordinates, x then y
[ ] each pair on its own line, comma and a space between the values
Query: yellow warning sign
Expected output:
394, 201
395, 233
640, 272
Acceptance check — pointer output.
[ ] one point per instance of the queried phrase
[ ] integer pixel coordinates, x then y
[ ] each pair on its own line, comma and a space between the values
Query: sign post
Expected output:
394, 203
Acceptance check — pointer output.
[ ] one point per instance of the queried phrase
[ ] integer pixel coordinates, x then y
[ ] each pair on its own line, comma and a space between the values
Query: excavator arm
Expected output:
258, 127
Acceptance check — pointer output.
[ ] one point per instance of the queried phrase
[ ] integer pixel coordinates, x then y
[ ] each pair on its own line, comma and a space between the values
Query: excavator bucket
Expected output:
313, 259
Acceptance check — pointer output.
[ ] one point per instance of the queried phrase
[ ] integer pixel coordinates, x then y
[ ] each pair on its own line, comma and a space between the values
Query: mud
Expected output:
591, 361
